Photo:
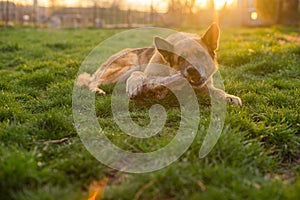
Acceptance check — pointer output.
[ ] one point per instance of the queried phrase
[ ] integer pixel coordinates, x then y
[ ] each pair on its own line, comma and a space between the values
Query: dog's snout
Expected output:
189, 71
193, 76
192, 71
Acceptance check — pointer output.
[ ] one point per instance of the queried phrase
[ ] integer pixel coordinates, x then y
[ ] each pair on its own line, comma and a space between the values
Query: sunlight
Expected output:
69, 2
219, 4
160, 6
148, 2
254, 16
138, 2
201, 3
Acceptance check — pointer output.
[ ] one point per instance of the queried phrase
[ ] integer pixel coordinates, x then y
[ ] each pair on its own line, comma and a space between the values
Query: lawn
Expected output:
42, 156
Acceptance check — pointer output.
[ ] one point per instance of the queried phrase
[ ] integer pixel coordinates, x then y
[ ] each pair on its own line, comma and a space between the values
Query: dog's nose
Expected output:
187, 70
192, 71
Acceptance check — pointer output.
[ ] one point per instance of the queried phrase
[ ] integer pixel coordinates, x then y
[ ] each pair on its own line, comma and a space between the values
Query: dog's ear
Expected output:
211, 37
165, 48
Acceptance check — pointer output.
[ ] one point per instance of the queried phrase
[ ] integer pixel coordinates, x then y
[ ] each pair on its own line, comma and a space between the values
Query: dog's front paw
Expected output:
99, 91
134, 84
234, 99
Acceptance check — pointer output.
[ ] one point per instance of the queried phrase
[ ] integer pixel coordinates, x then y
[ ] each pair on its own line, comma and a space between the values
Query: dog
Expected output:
186, 55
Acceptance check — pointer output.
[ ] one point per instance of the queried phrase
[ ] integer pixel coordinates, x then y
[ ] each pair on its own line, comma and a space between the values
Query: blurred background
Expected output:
135, 13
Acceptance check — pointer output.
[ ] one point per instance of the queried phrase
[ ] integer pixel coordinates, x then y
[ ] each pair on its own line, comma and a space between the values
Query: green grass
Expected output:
257, 156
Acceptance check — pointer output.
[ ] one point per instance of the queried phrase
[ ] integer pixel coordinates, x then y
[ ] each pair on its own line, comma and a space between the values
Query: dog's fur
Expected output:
182, 52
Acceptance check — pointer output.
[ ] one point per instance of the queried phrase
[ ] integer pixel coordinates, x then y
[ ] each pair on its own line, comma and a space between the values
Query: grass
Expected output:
257, 156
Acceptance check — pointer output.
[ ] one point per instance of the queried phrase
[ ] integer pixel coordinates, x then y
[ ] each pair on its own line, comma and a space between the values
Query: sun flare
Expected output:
219, 4
158, 5
69, 2
144, 3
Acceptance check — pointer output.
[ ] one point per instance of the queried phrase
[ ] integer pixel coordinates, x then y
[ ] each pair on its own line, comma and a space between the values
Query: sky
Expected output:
160, 5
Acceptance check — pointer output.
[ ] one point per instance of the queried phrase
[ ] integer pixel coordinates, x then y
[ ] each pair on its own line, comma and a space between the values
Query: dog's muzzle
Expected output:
193, 76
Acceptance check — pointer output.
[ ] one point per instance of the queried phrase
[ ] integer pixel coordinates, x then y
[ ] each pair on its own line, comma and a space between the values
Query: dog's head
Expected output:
190, 54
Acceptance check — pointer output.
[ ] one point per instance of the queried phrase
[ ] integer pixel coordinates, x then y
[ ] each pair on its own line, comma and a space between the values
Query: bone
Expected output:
153, 82
157, 87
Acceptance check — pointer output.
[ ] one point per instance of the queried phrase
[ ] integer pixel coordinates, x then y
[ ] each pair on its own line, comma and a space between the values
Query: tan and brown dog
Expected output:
188, 55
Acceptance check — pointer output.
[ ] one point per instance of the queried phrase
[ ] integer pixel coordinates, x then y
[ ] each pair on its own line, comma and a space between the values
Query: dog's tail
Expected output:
84, 80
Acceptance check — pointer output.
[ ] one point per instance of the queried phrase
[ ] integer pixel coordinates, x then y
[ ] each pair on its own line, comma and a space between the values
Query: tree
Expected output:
279, 11
211, 4
183, 9
181, 6
36, 14
218, 13
96, 4
53, 5
189, 5
288, 13
7, 13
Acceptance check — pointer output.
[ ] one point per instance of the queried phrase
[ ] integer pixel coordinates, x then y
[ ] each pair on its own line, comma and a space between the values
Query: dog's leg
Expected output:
85, 80
228, 97
223, 95
134, 84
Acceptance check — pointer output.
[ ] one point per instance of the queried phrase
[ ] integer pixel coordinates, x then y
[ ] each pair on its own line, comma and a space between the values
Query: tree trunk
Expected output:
7, 13
278, 11
287, 12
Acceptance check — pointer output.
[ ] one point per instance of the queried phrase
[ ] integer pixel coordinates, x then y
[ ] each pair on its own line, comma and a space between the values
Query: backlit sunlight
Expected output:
158, 5
219, 4
69, 2
254, 15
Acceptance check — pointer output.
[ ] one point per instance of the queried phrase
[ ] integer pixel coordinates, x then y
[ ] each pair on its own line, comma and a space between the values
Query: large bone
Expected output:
163, 81
158, 87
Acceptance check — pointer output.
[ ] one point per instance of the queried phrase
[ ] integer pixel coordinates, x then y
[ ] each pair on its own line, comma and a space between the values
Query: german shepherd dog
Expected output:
188, 55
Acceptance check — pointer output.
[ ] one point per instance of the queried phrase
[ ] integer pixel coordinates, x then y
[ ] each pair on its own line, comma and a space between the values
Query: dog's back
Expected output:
117, 68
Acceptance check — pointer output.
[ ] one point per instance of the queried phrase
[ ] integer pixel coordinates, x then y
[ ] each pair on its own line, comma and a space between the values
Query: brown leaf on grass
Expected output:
97, 189
201, 185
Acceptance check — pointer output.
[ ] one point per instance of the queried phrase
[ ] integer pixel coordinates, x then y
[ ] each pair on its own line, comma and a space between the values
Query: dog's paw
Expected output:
134, 84
234, 99
98, 90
